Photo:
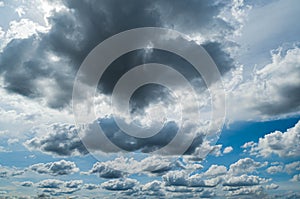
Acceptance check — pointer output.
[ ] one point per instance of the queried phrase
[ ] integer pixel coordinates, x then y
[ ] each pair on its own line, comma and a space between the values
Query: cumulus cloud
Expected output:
243, 180
284, 144
272, 186
245, 165
27, 184
58, 168
182, 178
58, 187
274, 169
121, 166
292, 167
6, 172
227, 150
254, 191
216, 170
296, 178
61, 140
122, 184
254, 90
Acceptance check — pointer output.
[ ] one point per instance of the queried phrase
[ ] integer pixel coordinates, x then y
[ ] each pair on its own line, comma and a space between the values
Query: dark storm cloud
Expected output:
25, 63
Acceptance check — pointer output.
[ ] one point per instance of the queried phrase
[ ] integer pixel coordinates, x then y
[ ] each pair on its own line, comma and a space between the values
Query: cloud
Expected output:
27, 184
248, 191
265, 92
243, 180
227, 150
104, 171
61, 140
58, 187
182, 178
279, 143
120, 184
121, 166
73, 32
245, 165
292, 167
274, 169
296, 178
272, 186
216, 170
90, 186
58, 168
7, 172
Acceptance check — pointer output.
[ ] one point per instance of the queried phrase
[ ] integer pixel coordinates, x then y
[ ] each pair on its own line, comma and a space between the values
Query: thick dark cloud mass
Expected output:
44, 66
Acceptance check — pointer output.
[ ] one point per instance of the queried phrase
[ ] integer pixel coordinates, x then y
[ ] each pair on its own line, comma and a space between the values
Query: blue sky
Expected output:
46, 152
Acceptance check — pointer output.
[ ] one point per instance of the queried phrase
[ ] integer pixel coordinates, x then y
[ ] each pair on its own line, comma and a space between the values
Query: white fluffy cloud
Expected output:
227, 150
274, 169
292, 167
243, 180
59, 187
284, 144
296, 178
246, 165
120, 184
58, 168
121, 166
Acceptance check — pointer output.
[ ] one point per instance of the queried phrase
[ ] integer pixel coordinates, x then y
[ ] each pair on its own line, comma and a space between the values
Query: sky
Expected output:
96, 104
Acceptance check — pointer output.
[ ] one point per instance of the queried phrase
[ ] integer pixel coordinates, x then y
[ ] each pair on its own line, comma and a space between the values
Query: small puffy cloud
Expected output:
120, 184
121, 166
274, 169
104, 170
176, 178
27, 184
246, 165
58, 187
292, 167
216, 170
61, 140
227, 150
272, 186
6, 172
58, 168
254, 191
182, 178
243, 180
90, 186
153, 188
284, 144
296, 178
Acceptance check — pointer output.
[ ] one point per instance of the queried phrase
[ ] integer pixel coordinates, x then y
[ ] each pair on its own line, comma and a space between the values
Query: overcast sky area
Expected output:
46, 152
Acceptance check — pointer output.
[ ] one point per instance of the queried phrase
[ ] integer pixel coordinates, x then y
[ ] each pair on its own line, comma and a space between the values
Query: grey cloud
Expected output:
245, 165
58, 187
25, 63
105, 171
90, 186
182, 178
58, 168
27, 184
243, 180
62, 140
120, 184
